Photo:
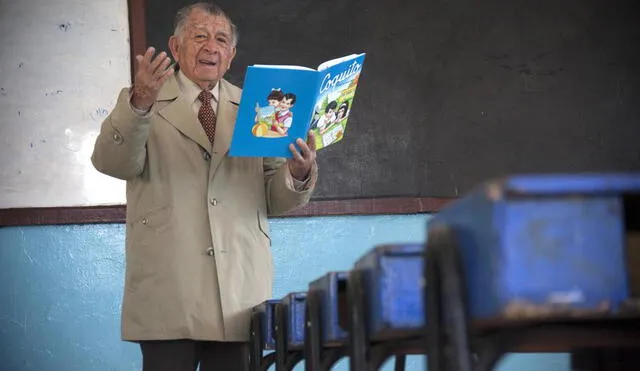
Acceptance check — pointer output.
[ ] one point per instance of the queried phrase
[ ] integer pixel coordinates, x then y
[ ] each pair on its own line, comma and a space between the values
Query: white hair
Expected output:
209, 7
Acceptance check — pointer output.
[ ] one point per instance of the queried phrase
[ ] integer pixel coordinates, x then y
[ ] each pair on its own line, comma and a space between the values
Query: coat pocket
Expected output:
156, 219
150, 248
152, 227
263, 225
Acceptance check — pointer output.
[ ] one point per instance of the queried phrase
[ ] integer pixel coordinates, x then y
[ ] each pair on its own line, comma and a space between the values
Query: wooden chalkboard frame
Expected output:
116, 213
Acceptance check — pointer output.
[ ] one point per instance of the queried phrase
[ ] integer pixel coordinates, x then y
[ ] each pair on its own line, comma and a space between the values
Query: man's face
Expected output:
205, 48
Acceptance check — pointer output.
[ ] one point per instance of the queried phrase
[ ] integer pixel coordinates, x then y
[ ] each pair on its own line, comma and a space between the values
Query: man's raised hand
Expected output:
150, 75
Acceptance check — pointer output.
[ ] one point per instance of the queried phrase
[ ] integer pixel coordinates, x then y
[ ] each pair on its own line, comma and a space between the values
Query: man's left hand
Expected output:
301, 163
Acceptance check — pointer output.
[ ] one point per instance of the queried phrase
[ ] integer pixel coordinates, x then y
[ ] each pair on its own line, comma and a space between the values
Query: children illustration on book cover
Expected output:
274, 120
281, 103
332, 111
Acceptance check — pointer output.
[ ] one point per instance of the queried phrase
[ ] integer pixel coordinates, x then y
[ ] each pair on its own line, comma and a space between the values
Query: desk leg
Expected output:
446, 293
313, 332
454, 300
281, 337
358, 337
432, 295
401, 361
606, 359
256, 342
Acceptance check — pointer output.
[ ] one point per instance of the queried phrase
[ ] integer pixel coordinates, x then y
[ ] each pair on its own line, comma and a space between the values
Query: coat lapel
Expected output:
178, 113
226, 117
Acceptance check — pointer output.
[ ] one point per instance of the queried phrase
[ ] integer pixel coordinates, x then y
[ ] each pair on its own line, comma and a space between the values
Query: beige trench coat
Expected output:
197, 237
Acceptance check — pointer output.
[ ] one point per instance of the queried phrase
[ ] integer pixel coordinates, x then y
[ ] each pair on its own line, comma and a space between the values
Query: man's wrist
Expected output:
301, 185
299, 175
139, 109
135, 103
301, 178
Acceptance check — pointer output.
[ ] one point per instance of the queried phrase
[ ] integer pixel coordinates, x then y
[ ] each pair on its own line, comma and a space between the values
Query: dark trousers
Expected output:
186, 355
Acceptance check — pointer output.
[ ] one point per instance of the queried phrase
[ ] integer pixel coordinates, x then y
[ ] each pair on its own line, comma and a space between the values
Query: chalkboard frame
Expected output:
116, 213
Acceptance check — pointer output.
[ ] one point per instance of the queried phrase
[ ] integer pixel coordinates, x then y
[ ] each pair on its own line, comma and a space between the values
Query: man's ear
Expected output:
233, 55
174, 46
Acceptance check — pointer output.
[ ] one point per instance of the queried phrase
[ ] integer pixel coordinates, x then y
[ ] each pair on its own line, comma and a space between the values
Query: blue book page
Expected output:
275, 109
336, 91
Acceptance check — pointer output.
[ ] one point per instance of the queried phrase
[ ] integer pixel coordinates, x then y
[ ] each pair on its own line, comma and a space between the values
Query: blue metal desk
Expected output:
326, 328
289, 327
385, 306
533, 261
262, 336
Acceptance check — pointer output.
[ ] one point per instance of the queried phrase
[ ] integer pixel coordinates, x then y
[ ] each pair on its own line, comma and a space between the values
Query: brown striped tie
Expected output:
206, 115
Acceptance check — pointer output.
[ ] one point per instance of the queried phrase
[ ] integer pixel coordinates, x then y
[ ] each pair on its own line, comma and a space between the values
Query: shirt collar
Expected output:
191, 90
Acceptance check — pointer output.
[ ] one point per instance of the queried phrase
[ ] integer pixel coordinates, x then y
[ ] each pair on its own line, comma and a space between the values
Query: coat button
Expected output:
145, 221
117, 138
210, 251
206, 156
213, 201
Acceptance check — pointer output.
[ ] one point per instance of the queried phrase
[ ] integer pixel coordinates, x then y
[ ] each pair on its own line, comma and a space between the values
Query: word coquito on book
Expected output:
281, 103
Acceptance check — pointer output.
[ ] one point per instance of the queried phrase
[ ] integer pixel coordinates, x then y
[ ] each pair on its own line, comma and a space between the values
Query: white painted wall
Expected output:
62, 64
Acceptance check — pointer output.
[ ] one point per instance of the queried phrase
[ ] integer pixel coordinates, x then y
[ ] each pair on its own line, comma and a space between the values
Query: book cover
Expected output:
281, 103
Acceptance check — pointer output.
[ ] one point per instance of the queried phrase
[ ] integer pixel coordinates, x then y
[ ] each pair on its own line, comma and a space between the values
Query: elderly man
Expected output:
197, 237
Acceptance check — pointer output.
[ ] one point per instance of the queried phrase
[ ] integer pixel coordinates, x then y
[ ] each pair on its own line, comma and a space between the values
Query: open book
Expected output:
281, 103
